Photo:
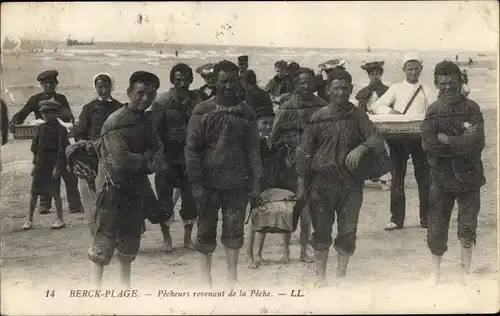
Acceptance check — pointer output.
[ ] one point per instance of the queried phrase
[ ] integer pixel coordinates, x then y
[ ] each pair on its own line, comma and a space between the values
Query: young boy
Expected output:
129, 150
48, 81
49, 160
453, 138
223, 163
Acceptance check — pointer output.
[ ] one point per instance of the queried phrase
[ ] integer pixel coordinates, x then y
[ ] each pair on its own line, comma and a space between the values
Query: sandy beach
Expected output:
387, 273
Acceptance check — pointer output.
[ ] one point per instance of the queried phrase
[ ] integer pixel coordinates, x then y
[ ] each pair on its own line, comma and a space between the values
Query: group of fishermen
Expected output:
228, 141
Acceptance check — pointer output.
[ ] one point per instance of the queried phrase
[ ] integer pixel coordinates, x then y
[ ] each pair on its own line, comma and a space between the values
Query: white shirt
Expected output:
400, 94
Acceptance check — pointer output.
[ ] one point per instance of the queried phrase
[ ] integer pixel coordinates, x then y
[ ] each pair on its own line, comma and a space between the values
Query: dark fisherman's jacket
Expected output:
222, 147
290, 121
32, 106
457, 166
92, 117
127, 139
327, 140
171, 116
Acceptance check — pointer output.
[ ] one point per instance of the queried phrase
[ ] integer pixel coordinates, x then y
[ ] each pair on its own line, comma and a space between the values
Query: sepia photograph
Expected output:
248, 158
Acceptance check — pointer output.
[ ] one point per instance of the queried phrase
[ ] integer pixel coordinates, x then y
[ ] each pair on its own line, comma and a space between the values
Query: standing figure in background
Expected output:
332, 146
289, 123
49, 82
256, 97
279, 84
171, 113
408, 97
208, 89
370, 94
129, 151
327, 67
49, 161
223, 165
464, 89
367, 97
87, 134
242, 64
453, 138
4, 124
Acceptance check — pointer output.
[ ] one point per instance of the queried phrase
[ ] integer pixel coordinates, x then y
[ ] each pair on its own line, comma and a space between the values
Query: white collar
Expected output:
108, 99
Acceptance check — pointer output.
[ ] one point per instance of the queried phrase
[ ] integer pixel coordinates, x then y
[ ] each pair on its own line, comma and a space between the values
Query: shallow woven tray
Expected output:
27, 131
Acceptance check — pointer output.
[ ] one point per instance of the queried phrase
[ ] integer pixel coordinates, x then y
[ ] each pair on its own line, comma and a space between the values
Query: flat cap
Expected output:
243, 59
206, 69
332, 64
48, 74
372, 64
49, 106
146, 77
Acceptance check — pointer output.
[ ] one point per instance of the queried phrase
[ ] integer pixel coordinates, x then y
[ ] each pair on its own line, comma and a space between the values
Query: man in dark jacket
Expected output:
255, 96
453, 138
48, 80
279, 84
331, 148
223, 164
171, 113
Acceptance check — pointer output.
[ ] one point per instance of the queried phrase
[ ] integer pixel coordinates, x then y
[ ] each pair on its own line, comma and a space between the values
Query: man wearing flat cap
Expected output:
242, 64
408, 97
48, 80
207, 73
130, 149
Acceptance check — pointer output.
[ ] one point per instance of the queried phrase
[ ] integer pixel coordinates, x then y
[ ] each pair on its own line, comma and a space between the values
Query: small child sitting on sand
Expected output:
48, 148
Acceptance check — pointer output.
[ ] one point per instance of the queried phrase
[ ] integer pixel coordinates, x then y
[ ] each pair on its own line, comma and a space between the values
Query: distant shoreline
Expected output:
46, 43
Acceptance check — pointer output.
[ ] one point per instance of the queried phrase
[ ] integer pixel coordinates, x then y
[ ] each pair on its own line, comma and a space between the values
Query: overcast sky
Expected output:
422, 25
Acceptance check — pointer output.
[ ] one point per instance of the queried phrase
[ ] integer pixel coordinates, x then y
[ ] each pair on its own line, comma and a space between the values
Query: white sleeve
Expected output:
383, 105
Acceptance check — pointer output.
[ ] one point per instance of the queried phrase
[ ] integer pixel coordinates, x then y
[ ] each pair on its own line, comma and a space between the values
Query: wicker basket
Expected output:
27, 131
24, 131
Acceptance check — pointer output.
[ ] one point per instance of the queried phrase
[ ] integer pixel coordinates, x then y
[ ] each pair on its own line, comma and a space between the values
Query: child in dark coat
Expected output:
48, 148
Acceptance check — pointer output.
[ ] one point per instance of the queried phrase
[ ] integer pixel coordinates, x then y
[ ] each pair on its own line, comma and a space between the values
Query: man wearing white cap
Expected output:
408, 97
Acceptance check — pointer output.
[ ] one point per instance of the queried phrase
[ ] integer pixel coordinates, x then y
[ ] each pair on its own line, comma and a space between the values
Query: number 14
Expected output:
50, 293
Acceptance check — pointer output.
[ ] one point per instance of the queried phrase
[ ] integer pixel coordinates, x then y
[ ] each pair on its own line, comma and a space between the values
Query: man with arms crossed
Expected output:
408, 97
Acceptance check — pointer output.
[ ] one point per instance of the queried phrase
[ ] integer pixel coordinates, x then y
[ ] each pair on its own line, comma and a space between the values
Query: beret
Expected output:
49, 105
373, 64
206, 69
243, 59
48, 74
146, 77
332, 64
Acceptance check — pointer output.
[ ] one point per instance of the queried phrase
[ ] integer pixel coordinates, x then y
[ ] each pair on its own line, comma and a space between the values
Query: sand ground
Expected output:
387, 274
